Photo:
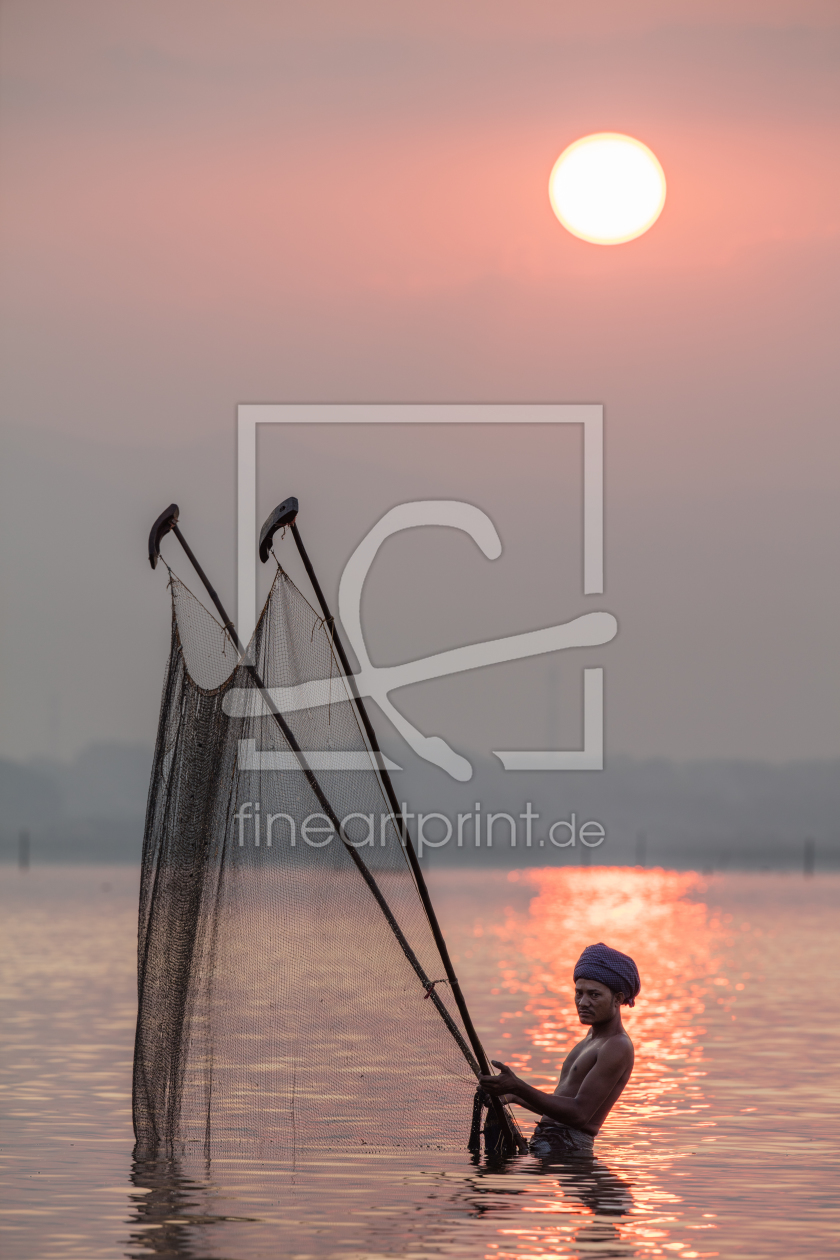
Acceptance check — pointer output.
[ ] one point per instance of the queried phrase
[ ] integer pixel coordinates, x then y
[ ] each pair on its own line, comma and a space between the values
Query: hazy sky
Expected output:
207, 204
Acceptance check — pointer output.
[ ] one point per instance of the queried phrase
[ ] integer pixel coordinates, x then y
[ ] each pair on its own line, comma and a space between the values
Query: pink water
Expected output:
724, 1143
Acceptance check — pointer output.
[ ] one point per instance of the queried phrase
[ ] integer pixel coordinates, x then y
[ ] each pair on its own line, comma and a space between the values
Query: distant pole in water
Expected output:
641, 849
24, 848
809, 851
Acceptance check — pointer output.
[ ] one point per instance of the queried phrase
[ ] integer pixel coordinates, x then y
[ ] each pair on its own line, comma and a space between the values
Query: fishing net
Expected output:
279, 1009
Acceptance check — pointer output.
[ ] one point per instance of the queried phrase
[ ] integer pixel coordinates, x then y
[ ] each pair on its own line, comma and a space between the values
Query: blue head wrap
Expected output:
612, 968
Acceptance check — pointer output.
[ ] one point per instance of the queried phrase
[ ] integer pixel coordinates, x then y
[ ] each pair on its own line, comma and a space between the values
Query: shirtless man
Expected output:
595, 1070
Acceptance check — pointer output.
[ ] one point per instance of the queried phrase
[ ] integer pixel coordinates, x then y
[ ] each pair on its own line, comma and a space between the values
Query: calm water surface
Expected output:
724, 1143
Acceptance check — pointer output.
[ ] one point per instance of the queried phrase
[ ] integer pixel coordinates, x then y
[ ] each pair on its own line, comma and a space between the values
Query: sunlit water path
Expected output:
724, 1143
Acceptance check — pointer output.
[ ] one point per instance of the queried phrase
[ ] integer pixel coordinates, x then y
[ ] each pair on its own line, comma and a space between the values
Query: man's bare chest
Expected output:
579, 1063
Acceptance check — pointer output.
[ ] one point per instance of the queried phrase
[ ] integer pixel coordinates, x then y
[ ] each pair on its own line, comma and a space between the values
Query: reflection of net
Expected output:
277, 1010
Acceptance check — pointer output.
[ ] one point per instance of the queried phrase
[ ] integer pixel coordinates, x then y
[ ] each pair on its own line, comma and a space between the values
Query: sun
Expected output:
607, 188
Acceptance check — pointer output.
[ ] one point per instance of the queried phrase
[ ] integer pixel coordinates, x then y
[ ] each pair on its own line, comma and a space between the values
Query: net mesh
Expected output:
278, 1010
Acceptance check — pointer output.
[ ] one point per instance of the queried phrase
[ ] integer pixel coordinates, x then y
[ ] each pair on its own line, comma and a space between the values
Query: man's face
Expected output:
595, 1002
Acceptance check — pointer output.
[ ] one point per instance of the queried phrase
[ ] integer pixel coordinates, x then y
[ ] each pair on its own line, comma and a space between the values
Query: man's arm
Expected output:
595, 1089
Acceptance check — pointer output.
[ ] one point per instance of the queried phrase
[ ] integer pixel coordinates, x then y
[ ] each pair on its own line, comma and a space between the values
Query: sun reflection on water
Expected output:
656, 917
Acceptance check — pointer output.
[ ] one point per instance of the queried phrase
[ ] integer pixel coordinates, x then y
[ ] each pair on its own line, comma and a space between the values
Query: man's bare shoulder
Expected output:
617, 1047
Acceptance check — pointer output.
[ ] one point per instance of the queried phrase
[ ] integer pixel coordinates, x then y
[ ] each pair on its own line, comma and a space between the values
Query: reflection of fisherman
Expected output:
595, 1070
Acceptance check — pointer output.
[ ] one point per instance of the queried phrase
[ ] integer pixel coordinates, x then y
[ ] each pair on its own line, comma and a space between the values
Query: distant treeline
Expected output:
703, 814
88, 810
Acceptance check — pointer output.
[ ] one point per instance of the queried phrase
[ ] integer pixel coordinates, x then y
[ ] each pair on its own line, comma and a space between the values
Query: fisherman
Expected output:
595, 1070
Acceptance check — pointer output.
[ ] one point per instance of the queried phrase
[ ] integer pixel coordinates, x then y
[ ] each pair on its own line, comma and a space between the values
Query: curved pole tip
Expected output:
162, 526
283, 515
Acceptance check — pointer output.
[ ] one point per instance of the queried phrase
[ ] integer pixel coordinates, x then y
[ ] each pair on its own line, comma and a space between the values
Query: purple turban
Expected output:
610, 967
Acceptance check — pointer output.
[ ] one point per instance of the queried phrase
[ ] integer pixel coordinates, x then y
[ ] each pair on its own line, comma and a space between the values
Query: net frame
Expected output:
159, 1096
